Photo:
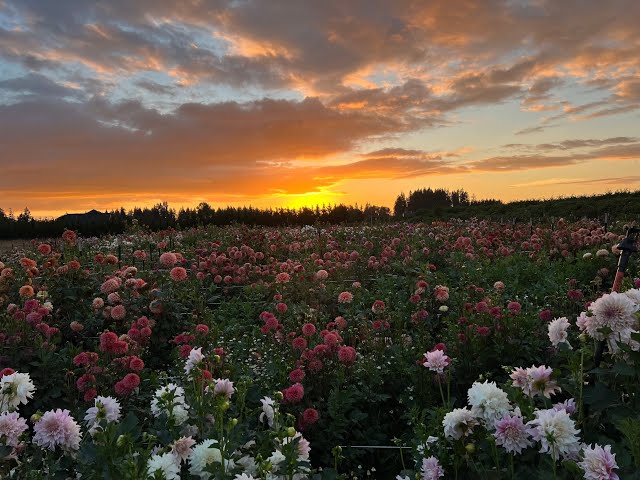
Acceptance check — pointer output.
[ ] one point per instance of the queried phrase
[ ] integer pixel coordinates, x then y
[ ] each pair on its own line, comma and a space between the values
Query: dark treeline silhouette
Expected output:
161, 216
421, 205
439, 204
428, 199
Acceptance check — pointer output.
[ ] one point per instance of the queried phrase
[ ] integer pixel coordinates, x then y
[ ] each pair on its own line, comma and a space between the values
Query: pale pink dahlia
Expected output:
599, 463
558, 331
431, 469
11, 427
57, 428
535, 381
613, 319
512, 434
182, 448
224, 387
519, 377
436, 361
541, 382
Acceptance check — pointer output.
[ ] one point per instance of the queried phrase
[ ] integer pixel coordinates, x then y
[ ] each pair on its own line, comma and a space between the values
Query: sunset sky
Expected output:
301, 102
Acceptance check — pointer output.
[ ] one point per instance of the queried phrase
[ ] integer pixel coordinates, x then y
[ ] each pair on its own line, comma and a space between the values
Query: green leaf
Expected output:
599, 396
624, 369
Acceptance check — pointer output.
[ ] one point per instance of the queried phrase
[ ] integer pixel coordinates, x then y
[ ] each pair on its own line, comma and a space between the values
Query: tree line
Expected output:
161, 216
426, 199
424, 204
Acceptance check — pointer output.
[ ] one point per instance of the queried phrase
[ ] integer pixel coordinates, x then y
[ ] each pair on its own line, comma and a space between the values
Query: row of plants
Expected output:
308, 353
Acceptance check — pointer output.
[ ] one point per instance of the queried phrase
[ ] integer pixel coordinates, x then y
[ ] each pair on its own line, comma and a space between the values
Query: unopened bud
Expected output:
470, 448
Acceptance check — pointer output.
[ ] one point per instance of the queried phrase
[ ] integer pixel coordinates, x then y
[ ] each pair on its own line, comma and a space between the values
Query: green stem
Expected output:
511, 466
441, 392
581, 380
496, 457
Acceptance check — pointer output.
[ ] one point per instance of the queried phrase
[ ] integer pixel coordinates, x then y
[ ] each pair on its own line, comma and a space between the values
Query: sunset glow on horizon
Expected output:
111, 104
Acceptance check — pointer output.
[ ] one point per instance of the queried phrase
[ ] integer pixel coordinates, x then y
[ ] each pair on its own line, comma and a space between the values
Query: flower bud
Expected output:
291, 431
122, 440
470, 448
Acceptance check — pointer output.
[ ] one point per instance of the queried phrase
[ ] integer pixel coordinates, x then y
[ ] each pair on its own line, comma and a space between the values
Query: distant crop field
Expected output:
7, 246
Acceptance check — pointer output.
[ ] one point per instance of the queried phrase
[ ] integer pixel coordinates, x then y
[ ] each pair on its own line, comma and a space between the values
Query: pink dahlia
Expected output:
283, 277
296, 375
310, 416
57, 428
168, 259
347, 355
178, 274
322, 275
436, 361
294, 393
118, 312
308, 329
345, 297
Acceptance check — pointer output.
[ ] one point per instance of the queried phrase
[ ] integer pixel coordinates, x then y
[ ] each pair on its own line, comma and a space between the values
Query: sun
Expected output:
309, 199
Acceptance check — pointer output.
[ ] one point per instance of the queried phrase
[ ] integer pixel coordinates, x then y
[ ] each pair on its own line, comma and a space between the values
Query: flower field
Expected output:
457, 350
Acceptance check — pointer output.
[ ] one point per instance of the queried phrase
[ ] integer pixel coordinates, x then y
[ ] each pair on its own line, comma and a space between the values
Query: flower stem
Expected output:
511, 466
444, 404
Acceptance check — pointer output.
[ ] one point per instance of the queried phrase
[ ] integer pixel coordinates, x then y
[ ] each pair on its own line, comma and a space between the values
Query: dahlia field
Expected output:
457, 350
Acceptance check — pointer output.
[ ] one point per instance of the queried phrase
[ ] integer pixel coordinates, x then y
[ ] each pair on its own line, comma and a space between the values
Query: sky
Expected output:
281, 103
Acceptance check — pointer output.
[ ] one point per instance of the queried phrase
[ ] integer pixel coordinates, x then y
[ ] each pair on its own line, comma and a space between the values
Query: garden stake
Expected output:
627, 246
